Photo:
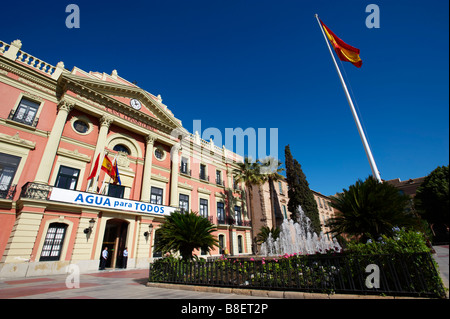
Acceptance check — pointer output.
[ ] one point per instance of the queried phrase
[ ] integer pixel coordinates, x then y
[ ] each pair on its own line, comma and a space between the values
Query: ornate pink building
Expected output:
53, 125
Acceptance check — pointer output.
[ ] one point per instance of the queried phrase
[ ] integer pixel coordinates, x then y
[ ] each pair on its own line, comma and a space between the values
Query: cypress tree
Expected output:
299, 192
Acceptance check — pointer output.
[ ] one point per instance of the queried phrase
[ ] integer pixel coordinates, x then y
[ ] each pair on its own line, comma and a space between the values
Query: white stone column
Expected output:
46, 165
174, 176
147, 175
105, 122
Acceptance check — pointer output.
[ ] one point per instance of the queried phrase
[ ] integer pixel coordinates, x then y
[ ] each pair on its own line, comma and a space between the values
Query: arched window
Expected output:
122, 148
53, 242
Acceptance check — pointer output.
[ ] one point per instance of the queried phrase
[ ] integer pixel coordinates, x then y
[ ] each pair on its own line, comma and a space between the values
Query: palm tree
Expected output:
184, 232
272, 168
264, 233
369, 209
250, 174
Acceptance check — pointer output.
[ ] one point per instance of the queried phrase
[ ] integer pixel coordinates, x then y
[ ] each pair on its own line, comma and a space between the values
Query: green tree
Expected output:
432, 199
272, 168
264, 233
250, 174
184, 232
299, 192
370, 209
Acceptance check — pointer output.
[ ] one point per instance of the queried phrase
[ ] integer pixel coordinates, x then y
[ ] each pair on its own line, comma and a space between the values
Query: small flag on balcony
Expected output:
95, 169
110, 167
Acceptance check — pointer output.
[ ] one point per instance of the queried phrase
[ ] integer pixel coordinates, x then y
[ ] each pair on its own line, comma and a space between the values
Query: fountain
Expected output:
298, 238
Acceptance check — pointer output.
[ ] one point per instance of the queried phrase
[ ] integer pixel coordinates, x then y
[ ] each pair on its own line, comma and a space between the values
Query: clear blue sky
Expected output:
264, 64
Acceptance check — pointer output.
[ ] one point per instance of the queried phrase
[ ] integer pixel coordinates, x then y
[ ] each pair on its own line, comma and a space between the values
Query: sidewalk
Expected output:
442, 259
108, 284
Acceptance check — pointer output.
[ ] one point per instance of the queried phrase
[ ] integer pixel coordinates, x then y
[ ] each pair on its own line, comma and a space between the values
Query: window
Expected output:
280, 186
221, 244
237, 215
184, 165
221, 213
122, 148
8, 168
218, 177
159, 153
285, 212
240, 250
53, 242
26, 112
67, 177
116, 191
204, 207
203, 172
80, 126
184, 203
156, 196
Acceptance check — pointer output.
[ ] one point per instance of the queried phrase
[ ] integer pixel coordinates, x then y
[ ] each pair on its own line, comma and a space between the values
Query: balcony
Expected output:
185, 171
7, 191
27, 120
203, 177
35, 191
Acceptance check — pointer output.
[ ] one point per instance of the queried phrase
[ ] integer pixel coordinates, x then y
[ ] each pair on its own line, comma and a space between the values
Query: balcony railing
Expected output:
204, 177
24, 120
7, 191
185, 171
35, 191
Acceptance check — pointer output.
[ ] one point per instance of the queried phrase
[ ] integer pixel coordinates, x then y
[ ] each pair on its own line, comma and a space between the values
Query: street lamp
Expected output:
149, 232
91, 225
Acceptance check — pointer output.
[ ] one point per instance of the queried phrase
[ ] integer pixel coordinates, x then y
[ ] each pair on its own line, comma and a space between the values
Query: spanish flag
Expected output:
344, 51
111, 169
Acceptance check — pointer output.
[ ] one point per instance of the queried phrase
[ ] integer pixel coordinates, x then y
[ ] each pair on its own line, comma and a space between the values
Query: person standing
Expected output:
104, 258
125, 258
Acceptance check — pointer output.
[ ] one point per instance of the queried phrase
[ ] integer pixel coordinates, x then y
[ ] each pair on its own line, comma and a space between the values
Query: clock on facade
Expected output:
135, 104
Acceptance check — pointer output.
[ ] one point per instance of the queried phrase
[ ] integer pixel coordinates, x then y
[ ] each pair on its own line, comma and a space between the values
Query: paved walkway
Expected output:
442, 260
108, 284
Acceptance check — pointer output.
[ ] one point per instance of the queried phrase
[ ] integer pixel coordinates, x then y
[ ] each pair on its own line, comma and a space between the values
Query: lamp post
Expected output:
91, 226
149, 232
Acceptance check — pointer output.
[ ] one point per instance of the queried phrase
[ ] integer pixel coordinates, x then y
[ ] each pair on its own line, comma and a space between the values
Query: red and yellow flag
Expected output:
344, 51
107, 166
111, 169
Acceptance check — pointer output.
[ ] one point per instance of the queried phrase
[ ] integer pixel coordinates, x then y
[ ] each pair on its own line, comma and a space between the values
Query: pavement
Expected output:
442, 259
107, 284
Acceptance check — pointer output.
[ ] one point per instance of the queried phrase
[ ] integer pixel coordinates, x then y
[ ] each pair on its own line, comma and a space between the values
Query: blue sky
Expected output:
265, 64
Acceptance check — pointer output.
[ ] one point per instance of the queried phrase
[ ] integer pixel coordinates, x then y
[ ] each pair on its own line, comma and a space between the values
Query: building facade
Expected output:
54, 124
325, 212
270, 206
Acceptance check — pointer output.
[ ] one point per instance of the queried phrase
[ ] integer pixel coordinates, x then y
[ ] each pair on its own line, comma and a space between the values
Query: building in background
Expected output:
270, 205
54, 125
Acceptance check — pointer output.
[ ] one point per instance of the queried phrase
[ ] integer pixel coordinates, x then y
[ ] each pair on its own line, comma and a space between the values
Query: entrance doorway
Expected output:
115, 239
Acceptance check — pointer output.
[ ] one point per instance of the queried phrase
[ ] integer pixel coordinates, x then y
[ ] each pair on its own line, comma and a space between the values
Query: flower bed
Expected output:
411, 274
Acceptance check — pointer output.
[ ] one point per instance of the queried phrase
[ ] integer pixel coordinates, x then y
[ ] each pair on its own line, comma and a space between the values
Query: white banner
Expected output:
101, 201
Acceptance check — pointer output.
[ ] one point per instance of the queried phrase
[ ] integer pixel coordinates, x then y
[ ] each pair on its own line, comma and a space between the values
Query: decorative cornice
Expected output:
16, 140
160, 178
185, 186
204, 191
73, 154
97, 91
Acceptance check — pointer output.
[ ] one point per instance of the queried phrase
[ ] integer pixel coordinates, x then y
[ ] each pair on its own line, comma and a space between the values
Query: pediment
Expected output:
107, 92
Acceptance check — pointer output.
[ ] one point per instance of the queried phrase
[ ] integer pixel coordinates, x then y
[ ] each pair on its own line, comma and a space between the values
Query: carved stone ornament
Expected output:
106, 120
63, 105
150, 139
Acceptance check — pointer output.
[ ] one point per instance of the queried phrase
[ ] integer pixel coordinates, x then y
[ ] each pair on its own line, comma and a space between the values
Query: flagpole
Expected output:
373, 166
